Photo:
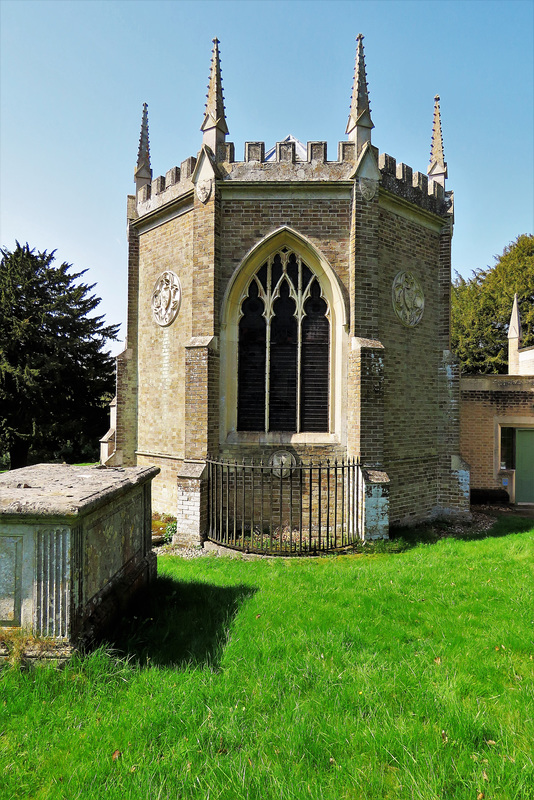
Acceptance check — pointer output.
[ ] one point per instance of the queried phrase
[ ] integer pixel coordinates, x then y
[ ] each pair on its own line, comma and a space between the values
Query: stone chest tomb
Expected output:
291, 307
75, 544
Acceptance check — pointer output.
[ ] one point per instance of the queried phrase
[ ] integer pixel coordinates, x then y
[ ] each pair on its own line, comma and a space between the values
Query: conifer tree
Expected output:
481, 308
55, 377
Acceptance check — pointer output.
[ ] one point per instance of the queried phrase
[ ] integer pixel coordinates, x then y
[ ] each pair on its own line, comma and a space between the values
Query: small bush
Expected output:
160, 522
170, 530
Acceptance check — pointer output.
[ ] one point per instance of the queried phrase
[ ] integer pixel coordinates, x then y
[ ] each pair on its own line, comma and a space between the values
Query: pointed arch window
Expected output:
283, 349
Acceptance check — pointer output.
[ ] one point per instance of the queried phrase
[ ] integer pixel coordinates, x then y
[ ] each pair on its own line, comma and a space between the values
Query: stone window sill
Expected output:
278, 438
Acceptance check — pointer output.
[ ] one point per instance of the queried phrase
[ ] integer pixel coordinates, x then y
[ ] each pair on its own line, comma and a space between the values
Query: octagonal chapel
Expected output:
288, 363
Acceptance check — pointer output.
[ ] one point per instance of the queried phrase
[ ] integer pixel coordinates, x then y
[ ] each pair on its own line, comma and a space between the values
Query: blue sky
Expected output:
74, 75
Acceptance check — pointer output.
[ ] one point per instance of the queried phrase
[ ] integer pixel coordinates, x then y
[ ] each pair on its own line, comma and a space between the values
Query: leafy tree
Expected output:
481, 308
55, 378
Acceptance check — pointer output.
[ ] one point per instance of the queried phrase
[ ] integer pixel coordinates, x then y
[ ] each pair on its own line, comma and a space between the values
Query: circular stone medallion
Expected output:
408, 299
166, 298
283, 462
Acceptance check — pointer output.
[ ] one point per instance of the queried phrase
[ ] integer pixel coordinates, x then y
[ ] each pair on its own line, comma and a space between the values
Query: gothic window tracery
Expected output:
283, 349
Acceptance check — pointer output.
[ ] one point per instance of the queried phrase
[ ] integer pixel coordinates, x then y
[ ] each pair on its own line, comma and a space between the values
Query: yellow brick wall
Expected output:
161, 354
411, 369
481, 414
325, 222
164, 485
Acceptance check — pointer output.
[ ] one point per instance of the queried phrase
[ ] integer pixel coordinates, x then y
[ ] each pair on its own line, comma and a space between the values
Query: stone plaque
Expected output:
283, 462
368, 188
166, 298
408, 299
10, 579
203, 190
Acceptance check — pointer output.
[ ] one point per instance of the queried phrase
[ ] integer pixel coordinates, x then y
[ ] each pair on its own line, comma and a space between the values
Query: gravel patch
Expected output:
183, 552
480, 521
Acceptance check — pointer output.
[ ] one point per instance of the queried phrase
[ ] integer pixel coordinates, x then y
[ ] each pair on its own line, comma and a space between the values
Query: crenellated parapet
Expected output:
289, 151
164, 189
414, 187
290, 161
285, 163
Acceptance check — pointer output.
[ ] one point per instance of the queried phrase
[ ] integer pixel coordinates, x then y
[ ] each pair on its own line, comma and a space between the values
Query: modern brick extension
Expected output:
497, 424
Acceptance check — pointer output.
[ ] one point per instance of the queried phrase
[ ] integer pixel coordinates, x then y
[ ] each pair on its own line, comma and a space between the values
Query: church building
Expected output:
288, 363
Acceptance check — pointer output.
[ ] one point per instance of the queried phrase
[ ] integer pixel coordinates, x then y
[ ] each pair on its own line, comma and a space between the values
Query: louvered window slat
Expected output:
283, 363
314, 375
251, 364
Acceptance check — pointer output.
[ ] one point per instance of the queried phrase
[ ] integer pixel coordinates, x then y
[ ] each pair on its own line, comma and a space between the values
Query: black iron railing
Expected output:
284, 509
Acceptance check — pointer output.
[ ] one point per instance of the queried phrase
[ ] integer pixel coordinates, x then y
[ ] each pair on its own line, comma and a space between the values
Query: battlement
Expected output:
415, 187
174, 183
289, 151
285, 162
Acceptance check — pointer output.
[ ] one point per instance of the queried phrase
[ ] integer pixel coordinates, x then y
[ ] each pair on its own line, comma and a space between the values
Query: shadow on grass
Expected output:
504, 525
177, 623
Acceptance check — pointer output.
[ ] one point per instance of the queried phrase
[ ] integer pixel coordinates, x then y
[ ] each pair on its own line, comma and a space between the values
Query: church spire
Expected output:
514, 340
360, 124
143, 173
514, 329
437, 168
214, 126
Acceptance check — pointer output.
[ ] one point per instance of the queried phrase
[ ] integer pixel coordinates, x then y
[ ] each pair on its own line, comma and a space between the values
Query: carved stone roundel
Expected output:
203, 190
283, 462
166, 298
408, 299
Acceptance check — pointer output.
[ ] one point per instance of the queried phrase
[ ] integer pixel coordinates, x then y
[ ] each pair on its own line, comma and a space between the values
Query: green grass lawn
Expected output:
398, 675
